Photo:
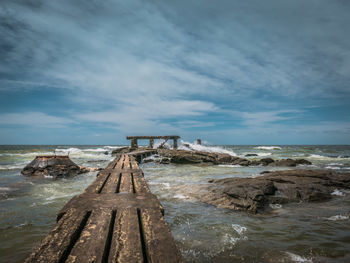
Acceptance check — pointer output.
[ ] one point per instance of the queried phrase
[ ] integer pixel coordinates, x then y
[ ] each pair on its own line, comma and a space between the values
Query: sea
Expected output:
299, 232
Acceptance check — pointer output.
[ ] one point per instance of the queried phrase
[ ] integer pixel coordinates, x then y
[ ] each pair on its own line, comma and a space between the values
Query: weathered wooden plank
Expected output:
126, 243
140, 184
116, 219
112, 201
126, 183
159, 243
98, 184
112, 182
57, 245
126, 164
91, 245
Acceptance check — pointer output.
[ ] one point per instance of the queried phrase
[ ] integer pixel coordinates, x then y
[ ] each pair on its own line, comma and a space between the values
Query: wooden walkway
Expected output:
116, 219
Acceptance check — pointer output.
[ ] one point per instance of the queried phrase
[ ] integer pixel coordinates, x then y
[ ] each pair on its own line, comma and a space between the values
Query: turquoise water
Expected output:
204, 233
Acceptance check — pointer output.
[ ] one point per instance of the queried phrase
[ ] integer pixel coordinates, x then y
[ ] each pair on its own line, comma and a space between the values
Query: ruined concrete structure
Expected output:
134, 144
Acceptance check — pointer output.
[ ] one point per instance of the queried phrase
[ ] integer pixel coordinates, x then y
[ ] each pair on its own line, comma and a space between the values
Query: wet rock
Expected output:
55, 166
121, 150
290, 162
279, 187
251, 155
199, 157
266, 161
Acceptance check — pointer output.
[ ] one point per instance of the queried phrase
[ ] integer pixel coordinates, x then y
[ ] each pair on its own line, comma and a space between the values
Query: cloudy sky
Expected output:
229, 72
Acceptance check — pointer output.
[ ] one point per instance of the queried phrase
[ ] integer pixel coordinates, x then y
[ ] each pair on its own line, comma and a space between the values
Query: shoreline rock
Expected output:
199, 157
279, 187
55, 166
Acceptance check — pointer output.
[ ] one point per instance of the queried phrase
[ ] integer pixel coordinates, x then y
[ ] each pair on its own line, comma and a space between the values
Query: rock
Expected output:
165, 160
251, 154
279, 187
122, 150
303, 162
106, 153
290, 162
266, 161
199, 157
55, 166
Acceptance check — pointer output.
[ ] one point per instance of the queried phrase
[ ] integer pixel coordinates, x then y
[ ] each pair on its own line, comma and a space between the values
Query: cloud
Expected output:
34, 120
162, 66
266, 117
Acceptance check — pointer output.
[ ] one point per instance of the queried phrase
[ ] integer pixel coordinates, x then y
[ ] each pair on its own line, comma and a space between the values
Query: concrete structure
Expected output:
134, 144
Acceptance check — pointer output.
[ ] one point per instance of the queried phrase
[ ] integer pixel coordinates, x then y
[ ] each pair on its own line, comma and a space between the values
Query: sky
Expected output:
225, 71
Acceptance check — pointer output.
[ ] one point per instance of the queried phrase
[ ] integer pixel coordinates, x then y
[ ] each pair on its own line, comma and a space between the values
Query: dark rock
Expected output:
290, 162
255, 194
106, 153
303, 162
122, 150
266, 161
251, 154
55, 166
199, 157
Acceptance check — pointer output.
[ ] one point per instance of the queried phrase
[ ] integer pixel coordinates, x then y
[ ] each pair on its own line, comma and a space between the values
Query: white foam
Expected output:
12, 167
198, 147
268, 148
230, 165
333, 167
239, 229
337, 192
179, 196
338, 217
276, 206
167, 185
5, 189
297, 258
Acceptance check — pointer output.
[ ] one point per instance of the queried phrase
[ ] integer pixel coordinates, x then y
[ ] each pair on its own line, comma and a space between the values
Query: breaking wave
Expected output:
268, 148
203, 148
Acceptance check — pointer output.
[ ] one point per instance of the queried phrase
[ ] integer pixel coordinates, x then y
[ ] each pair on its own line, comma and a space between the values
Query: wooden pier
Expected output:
116, 219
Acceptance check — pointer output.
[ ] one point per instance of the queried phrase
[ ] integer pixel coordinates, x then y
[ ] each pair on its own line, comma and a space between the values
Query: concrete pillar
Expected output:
175, 143
199, 141
134, 143
151, 143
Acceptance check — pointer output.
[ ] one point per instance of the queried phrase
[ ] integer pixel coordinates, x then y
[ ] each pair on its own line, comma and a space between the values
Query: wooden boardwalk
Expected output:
116, 219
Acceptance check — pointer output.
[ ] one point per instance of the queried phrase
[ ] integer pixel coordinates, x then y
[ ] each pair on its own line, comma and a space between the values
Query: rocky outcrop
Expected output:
279, 187
198, 157
121, 150
54, 166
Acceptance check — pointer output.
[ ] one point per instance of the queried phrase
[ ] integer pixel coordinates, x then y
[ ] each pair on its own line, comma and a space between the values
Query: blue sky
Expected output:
229, 72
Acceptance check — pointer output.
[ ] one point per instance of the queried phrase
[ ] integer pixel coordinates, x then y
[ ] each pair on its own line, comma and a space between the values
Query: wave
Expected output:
12, 166
268, 148
229, 165
202, 148
338, 217
297, 258
325, 157
337, 192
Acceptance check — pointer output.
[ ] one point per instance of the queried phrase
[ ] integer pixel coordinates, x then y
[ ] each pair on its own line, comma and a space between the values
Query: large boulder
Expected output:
121, 150
279, 187
54, 166
200, 157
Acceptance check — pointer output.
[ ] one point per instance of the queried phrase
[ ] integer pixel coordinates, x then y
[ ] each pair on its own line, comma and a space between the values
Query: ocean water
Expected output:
290, 233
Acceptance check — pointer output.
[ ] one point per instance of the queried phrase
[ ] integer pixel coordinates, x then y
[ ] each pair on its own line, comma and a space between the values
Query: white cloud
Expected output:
34, 119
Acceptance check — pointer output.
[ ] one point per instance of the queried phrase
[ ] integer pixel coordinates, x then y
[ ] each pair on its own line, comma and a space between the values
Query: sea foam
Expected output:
203, 148
268, 148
